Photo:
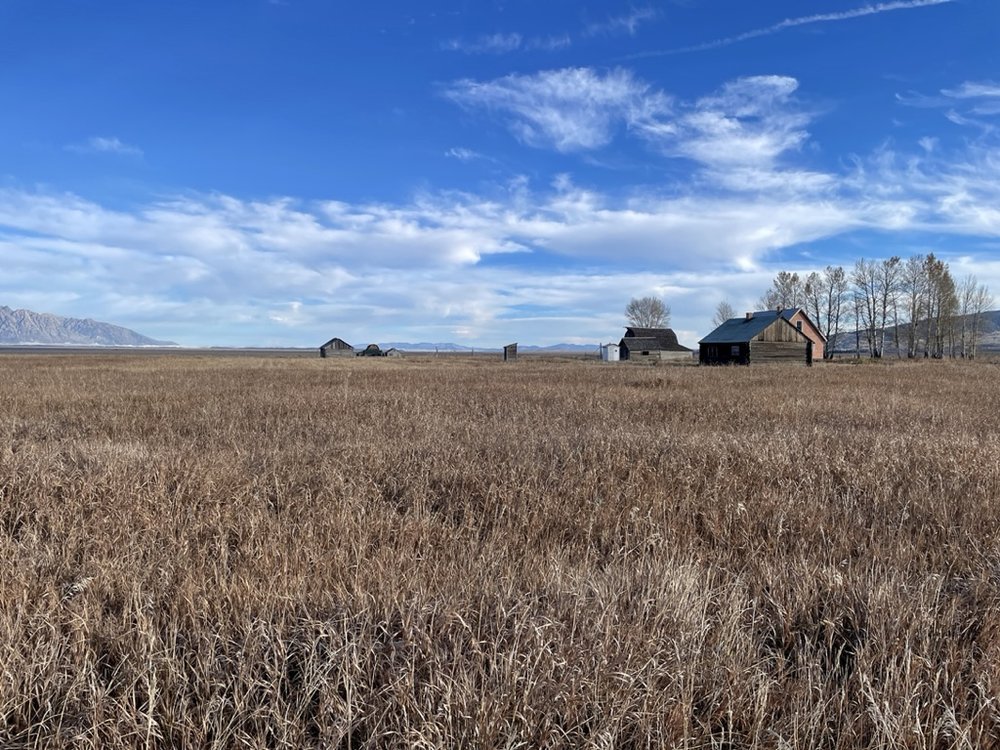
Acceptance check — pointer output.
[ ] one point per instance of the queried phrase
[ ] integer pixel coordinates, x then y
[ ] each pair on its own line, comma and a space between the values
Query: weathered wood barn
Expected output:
758, 337
798, 318
654, 343
336, 348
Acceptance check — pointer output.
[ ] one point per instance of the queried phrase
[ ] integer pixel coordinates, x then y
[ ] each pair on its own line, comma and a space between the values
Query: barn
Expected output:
652, 343
757, 338
798, 318
336, 348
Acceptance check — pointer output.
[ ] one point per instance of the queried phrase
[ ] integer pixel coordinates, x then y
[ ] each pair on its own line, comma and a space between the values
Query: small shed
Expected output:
510, 353
610, 353
394, 352
652, 343
372, 350
757, 338
336, 348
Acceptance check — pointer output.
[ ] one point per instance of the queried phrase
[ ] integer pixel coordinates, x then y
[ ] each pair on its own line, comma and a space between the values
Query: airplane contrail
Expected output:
788, 23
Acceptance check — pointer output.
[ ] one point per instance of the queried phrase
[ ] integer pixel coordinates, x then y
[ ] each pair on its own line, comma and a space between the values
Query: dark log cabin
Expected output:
758, 338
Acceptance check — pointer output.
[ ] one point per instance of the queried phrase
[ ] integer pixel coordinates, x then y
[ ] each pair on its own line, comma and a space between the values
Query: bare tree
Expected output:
982, 301
865, 279
966, 298
787, 290
941, 307
876, 286
647, 312
913, 292
824, 295
723, 312
888, 283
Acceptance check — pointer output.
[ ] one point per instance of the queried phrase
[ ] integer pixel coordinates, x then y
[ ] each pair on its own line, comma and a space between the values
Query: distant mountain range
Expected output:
424, 346
27, 327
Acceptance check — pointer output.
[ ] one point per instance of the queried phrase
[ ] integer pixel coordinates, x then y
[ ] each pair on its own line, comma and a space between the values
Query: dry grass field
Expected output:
263, 553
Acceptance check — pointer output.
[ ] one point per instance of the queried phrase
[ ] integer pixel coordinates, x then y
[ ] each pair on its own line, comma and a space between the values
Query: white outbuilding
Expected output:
610, 353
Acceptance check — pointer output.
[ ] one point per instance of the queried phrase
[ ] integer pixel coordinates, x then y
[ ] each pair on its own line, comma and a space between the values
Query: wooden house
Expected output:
652, 343
759, 337
798, 318
336, 348
510, 353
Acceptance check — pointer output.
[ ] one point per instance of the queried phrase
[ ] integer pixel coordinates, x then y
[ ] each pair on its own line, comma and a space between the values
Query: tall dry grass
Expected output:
219, 553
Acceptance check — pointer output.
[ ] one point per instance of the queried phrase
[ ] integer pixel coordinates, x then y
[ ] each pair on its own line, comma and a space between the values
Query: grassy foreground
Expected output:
220, 553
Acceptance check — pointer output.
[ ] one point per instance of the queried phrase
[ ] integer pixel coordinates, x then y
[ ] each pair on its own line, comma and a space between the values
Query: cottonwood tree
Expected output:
787, 290
981, 302
913, 296
825, 294
942, 303
875, 287
966, 297
723, 312
647, 312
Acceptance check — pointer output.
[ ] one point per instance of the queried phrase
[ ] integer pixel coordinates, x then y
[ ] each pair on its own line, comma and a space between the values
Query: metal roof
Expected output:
741, 330
652, 339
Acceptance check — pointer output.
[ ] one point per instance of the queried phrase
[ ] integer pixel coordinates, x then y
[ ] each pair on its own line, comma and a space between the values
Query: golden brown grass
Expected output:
220, 553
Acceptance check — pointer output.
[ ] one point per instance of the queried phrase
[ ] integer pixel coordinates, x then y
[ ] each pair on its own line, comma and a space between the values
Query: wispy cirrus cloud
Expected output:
627, 23
570, 109
498, 44
870, 9
105, 145
738, 133
970, 104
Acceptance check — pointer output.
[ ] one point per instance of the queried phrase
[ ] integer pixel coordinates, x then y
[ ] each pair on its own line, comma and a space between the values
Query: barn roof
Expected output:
741, 330
333, 342
789, 312
652, 339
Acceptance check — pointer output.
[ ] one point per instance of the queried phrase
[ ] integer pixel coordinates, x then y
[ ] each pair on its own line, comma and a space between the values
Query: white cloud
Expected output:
750, 121
974, 90
539, 264
463, 154
489, 44
624, 24
738, 134
500, 43
102, 145
571, 109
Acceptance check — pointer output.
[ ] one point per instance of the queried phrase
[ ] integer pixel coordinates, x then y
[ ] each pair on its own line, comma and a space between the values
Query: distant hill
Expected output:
989, 335
27, 327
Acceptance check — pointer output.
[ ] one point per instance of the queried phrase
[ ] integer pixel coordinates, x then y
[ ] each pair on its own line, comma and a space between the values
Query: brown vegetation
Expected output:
322, 553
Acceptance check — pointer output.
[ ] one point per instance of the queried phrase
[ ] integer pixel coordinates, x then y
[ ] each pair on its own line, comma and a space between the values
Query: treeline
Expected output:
928, 313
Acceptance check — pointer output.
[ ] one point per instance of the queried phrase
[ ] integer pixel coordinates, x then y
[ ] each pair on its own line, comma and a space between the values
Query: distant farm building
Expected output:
336, 348
372, 350
759, 337
610, 352
510, 353
394, 352
652, 343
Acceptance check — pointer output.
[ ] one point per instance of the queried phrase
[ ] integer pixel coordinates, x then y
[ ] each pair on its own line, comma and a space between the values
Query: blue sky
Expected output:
277, 172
